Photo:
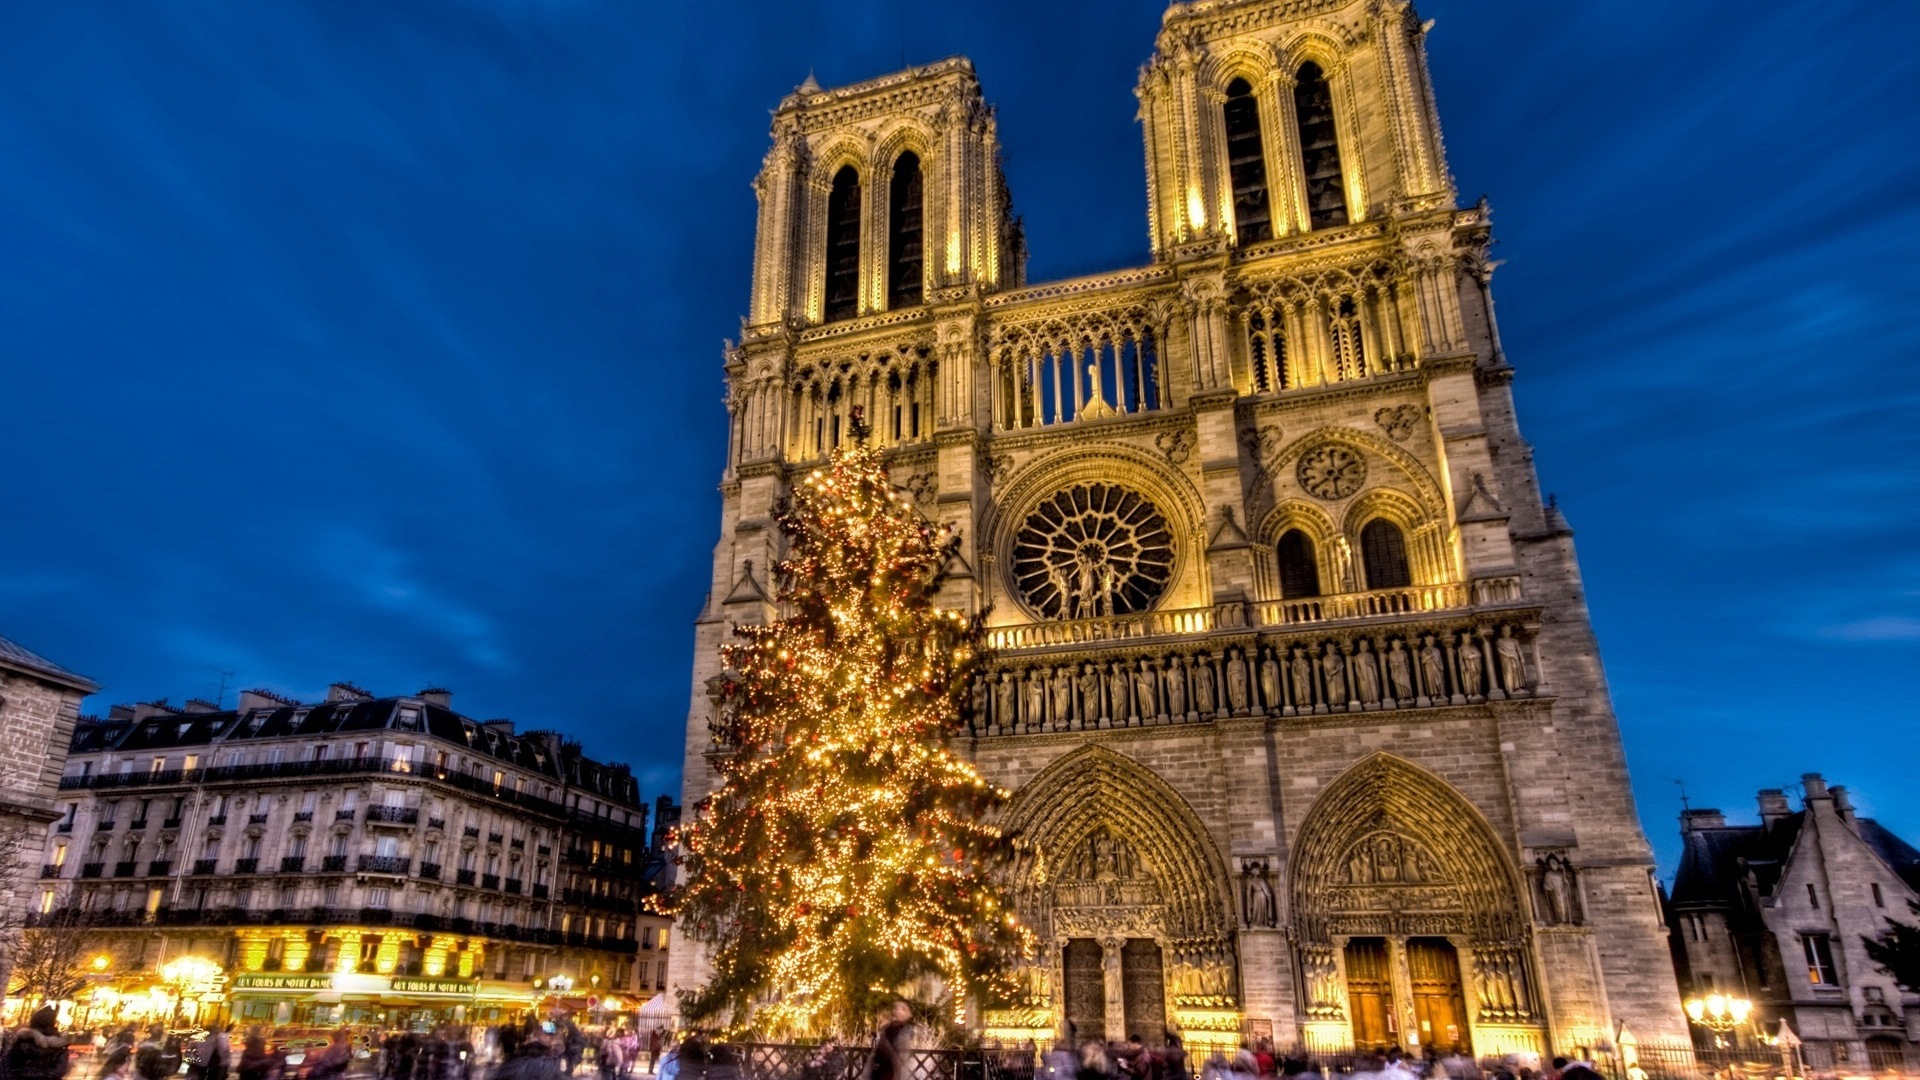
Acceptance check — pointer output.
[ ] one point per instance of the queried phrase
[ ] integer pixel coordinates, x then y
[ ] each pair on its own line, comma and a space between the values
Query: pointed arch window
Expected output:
1299, 573
1247, 165
1319, 148
905, 219
1383, 552
843, 245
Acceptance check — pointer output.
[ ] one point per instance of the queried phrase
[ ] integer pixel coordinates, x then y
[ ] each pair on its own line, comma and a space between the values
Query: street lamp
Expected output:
193, 976
560, 984
1719, 1014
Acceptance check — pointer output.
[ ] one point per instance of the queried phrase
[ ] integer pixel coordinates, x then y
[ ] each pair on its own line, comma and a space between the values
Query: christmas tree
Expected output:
847, 853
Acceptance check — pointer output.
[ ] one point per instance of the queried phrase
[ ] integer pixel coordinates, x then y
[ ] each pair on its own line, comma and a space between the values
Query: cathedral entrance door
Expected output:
1085, 983
1370, 993
1146, 990
1439, 1007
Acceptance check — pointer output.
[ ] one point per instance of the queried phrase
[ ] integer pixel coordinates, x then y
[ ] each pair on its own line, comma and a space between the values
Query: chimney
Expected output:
200, 705
1843, 805
1813, 786
262, 699
1773, 807
435, 695
144, 709
346, 691
1692, 821
504, 727
119, 712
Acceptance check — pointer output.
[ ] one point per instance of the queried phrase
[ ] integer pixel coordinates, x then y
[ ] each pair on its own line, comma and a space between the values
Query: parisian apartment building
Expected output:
358, 859
1777, 912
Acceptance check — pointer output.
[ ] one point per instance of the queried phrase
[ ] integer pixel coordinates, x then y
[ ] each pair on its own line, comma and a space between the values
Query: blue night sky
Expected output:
380, 341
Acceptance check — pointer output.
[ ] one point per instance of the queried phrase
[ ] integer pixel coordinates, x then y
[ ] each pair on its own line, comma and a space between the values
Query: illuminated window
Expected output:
159, 765
843, 246
1819, 951
905, 249
1247, 165
1319, 148
46, 901
1299, 574
1383, 550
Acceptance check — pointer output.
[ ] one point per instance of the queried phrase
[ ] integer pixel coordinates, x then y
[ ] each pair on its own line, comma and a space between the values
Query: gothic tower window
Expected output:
1319, 148
1247, 165
1349, 346
1299, 574
1383, 551
843, 245
904, 223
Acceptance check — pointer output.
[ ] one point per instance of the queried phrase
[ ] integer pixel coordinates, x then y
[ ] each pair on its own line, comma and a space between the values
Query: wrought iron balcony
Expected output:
463, 877
343, 815
436, 823
301, 817
293, 864
217, 819
393, 815
92, 869
539, 891
333, 864
429, 870
171, 823
246, 866
125, 868
160, 868
49, 870
139, 823
513, 886
205, 866
489, 881
384, 864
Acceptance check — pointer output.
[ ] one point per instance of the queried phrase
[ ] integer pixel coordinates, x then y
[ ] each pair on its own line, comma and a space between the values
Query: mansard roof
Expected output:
13, 654
1716, 861
541, 752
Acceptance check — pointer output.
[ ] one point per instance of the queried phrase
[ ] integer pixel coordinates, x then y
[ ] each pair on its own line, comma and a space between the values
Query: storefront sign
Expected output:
432, 986
283, 982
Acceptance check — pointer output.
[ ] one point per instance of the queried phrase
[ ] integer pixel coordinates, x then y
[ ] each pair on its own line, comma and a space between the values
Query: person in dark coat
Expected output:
38, 1051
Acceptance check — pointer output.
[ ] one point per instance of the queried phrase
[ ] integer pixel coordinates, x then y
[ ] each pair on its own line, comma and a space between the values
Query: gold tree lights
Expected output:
847, 854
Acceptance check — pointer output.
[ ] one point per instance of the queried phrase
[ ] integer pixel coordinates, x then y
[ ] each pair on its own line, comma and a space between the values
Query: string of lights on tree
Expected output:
849, 853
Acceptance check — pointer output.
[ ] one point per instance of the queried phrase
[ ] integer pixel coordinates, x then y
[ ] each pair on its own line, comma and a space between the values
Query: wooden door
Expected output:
1369, 993
1439, 1006
1146, 990
1086, 989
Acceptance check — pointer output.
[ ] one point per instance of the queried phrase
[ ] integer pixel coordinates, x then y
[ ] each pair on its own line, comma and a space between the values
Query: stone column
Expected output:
1404, 1024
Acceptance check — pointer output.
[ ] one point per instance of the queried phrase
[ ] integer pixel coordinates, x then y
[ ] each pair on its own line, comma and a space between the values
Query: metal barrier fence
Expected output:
789, 1061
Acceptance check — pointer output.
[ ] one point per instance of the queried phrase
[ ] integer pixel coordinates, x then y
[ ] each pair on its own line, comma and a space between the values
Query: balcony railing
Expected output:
205, 866
384, 864
160, 868
92, 869
293, 864
333, 916
171, 823
256, 819
436, 823
65, 826
333, 864
539, 891
394, 815
429, 870
471, 832
493, 838
246, 866
463, 877
139, 823
217, 819
125, 868
105, 826
489, 881
355, 766
343, 815
302, 817
48, 870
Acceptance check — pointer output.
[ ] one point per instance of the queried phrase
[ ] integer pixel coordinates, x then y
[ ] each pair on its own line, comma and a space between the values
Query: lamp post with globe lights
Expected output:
1719, 1014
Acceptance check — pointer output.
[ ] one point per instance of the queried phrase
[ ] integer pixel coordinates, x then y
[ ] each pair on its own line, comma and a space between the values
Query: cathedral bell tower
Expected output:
1291, 672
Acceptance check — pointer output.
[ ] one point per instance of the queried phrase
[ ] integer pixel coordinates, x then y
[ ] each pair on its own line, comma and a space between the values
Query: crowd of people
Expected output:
532, 1049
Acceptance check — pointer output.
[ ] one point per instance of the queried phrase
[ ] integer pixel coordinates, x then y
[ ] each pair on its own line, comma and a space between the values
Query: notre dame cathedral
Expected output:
1292, 676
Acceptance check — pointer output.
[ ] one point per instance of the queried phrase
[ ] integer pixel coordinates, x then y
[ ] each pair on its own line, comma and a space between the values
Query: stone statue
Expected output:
1143, 692
1105, 575
1062, 699
1513, 669
978, 719
1334, 667
1360, 865
1036, 701
1058, 576
1366, 674
1177, 686
1006, 703
1302, 679
1092, 701
1400, 672
1257, 898
1203, 698
1433, 668
1556, 884
1085, 593
1270, 680
1470, 666
1237, 682
1118, 695
1106, 858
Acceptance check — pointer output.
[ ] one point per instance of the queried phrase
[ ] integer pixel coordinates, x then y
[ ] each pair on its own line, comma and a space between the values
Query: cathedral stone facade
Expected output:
1292, 677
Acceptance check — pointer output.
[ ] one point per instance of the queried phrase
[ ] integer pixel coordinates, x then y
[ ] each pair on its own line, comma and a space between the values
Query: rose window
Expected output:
1092, 550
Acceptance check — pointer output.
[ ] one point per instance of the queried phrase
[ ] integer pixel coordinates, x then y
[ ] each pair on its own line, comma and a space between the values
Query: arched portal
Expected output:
1407, 918
1128, 897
